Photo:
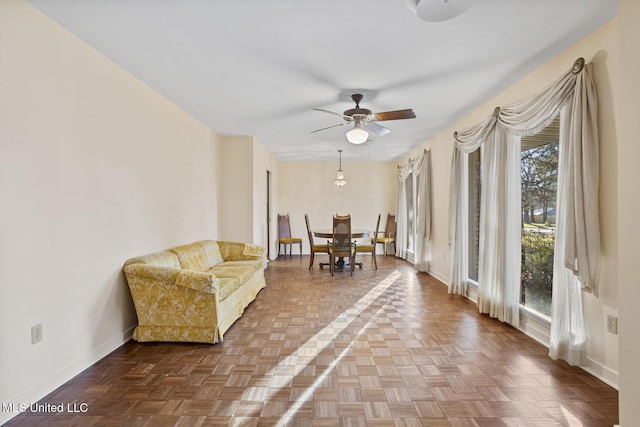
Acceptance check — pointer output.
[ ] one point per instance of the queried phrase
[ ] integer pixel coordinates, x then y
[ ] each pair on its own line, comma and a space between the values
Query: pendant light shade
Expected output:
357, 135
340, 181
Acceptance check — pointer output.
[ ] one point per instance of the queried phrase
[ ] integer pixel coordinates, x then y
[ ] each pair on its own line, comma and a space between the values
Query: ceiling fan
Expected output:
364, 121
438, 10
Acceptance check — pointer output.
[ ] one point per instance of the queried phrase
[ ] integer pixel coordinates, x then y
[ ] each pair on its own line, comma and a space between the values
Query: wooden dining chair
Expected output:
342, 246
388, 235
313, 247
284, 235
371, 247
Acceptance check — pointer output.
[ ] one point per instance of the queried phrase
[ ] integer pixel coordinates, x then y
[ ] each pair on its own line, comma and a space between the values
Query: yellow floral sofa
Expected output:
194, 292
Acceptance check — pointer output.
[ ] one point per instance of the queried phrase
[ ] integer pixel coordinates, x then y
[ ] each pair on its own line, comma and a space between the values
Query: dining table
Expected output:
327, 233
356, 233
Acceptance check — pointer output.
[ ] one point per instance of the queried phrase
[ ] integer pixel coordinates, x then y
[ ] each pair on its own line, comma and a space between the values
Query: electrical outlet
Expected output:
36, 333
612, 324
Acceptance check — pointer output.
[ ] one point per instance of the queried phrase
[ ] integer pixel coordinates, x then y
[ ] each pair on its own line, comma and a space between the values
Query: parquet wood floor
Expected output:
386, 347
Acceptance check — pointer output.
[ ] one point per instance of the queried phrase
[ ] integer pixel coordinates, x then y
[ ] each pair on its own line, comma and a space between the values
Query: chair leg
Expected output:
331, 264
311, 256
375, 262
300, 249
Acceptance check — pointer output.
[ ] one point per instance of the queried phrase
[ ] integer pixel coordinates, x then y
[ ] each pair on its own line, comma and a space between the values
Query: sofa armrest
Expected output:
237, 251
196, 280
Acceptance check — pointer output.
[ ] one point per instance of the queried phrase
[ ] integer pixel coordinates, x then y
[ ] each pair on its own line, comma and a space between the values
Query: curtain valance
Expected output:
530, 116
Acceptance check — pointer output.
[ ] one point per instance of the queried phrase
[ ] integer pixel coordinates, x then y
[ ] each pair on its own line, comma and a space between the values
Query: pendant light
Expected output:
340, 181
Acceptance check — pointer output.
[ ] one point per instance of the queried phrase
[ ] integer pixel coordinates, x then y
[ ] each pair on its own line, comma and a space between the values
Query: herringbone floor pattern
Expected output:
386, 347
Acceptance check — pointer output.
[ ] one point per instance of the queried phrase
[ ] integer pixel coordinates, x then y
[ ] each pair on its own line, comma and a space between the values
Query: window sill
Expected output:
535, 315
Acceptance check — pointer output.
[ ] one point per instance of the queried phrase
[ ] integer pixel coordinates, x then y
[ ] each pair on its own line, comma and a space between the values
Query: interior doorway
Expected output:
268, 214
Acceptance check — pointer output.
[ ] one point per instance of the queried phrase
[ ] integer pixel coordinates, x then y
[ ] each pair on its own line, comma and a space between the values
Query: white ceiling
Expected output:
256, 67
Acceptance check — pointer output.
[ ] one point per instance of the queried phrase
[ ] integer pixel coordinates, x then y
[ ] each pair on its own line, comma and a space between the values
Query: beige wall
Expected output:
602, 48
243, 191
308, 188
95, 167
628, 212
236, 194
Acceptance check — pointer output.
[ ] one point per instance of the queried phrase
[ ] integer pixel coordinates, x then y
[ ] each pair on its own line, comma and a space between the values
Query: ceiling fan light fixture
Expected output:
438, 10
363, 116
357, 135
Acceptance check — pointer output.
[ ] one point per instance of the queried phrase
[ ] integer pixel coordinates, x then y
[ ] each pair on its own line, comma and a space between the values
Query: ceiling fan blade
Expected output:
394, 115
347, 118
377, 129
328, 127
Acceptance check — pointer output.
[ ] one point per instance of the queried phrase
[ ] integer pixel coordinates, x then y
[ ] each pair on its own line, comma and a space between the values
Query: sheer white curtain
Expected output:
458, 223
577, 232
499, 254
568, 335
401, 215
420, 167
499, 274
422, 171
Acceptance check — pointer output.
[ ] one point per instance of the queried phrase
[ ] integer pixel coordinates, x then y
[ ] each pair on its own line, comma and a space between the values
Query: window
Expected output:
410, 212
539, 175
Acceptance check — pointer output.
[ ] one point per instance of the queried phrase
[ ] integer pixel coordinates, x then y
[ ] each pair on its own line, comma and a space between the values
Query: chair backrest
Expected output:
342, 232
306, 220
377, 227
284, 227
390, 230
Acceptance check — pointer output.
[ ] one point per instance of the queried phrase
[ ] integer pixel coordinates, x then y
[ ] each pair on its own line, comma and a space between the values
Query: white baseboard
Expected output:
439, 276
65, 374
601, 372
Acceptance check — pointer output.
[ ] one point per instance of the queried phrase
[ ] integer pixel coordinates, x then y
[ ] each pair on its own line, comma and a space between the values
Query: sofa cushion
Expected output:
256, 264
242, 272
191, 256
227, 285
211, 251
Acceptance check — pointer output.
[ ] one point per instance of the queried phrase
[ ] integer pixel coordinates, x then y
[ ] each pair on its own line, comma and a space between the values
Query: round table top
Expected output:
356, 233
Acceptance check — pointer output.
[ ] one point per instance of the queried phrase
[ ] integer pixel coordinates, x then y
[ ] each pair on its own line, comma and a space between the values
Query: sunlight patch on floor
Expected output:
570, 418
296, 362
